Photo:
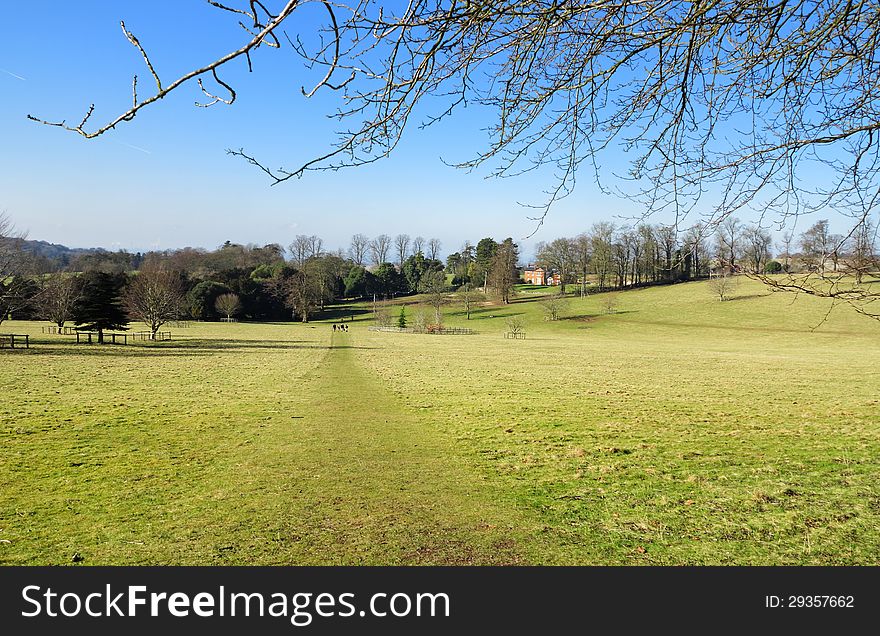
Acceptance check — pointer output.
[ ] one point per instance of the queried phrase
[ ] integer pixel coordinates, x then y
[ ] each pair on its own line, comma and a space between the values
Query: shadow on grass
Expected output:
178, 348
492, 312
582, 317
342, 314
536, 288
112, 350
748, 297
219, 343
592, 317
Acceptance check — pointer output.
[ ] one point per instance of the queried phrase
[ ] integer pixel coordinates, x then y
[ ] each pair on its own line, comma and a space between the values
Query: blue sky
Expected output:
164, 180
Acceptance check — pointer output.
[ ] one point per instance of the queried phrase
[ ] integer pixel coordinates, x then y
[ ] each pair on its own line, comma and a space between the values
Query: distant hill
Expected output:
56, 252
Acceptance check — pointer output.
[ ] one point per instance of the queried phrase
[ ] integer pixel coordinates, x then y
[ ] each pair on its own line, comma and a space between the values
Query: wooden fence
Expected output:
515, 335
14, 341
161, 336
442, 331
66, 331
450, 331
88, 337
393, 329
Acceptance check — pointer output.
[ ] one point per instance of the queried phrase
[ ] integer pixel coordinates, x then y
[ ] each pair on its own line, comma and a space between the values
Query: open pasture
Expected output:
677, 430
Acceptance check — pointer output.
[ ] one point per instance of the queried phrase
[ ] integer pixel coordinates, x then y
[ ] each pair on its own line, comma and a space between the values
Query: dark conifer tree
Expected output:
100, 308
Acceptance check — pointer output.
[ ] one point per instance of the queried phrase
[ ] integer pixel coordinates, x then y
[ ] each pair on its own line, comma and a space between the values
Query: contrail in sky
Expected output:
136, 148
23, 79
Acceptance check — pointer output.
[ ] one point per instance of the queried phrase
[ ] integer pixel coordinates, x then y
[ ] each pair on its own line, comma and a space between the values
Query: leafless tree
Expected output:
10, 247
816, 246
723, 285
360, 243
434, 247
853, 281
14, 265
862, 258
696, 251
57, 298
515, 324
468, 296
503, 273
420, 320
610, 303
321, 274
156, 296
757, 241
228, 304
382, 316
622, 248
729, 237
583, 256
418, 245
379, 247
795, 81
316, 247
667, 241
300, 249
786, 243
436, 290
553, 306
401, 242
601, 238
303, 292
560, 255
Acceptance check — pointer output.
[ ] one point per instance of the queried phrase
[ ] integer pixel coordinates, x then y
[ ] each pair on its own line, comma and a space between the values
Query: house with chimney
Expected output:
536, 275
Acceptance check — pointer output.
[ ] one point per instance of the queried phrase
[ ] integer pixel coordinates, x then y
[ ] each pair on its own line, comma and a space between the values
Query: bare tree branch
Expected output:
718, 105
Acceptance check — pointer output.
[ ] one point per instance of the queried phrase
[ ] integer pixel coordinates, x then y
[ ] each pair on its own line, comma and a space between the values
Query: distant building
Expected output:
539, 276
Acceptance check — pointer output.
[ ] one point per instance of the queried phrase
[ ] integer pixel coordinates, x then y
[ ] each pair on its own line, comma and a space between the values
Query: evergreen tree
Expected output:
401, 319
100, 307
485, 253
359, 283
414, 269
389, 281
503, 273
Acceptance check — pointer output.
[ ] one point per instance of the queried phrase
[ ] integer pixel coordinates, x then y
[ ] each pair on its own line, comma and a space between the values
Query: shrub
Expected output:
420, 321
610, 303
383, 317
773, 267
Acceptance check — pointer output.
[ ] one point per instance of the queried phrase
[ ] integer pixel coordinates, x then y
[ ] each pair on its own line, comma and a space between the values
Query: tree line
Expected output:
621, 256
270, 282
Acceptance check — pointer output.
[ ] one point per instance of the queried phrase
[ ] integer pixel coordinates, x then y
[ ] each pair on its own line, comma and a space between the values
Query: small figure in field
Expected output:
334, 327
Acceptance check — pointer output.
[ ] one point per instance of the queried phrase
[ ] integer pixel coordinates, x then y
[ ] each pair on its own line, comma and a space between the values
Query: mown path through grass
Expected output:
384, 488
292, 453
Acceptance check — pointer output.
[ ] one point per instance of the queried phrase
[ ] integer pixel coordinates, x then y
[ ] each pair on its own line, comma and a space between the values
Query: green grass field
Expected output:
679, 430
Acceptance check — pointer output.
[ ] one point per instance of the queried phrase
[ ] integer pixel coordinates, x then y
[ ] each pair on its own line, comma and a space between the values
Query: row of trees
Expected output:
821, 251
257, 283
100, 301
363, 250
625, 256
187, 283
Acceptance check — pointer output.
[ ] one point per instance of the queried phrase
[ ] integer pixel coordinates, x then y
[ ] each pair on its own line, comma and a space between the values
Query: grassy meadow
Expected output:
678, 430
